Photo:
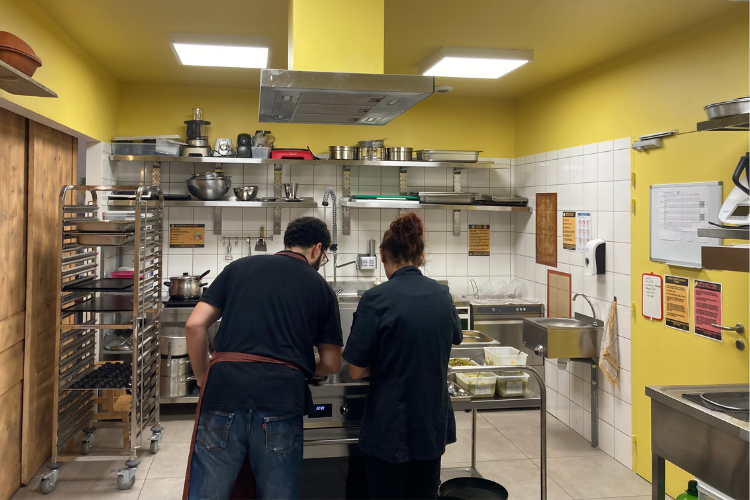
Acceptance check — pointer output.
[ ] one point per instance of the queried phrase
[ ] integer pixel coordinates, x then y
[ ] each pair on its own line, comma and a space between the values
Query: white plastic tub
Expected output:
479, 385
504, 356
261, 152
511, 385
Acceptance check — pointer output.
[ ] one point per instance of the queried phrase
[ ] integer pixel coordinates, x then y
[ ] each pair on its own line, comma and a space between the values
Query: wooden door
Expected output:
12, 295
52, 162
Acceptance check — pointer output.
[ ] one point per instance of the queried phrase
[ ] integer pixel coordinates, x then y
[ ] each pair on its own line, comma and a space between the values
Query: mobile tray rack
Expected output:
83, 386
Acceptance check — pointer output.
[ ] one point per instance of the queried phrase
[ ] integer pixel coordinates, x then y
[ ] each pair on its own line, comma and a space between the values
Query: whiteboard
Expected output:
651, 298
677, 210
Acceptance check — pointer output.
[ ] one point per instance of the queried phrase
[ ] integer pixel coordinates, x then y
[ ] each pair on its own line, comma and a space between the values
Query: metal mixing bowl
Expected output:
246, 193
209, 189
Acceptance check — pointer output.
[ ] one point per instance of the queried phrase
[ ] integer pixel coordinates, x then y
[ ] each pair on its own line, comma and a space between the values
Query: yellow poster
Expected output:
479, 239
187, 235
569, 230
676, 291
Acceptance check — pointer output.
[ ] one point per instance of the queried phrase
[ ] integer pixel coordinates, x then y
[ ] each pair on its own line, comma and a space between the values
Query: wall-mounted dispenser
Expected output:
368, 262
593, 257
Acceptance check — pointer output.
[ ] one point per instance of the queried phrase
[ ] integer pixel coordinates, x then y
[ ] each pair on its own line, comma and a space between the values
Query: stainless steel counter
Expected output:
709, 444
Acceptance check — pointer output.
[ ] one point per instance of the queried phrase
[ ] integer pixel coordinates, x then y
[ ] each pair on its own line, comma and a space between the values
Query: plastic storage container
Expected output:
504, 356
708, 492
470, 362
511, 385
161, 147
261, 152
479, 385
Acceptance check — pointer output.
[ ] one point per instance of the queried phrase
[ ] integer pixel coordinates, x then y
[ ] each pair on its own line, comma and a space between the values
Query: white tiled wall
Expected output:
596, 178
447, 254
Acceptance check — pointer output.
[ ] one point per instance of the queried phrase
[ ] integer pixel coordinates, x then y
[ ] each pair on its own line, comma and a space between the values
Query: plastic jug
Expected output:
691, 493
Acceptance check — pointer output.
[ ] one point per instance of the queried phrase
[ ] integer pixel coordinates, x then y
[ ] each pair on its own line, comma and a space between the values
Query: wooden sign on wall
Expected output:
546, 229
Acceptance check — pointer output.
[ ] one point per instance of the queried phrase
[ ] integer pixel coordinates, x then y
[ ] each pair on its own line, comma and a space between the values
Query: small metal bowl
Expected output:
246, 193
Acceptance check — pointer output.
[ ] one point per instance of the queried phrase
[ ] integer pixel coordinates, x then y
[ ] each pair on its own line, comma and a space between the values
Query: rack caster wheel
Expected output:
154, 447
123, 484
49, 480
158, 432
88, 442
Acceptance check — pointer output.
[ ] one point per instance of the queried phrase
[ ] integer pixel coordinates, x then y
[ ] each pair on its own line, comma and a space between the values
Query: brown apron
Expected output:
245, 484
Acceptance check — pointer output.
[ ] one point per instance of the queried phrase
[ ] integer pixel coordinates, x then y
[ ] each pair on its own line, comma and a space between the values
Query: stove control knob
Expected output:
344, 410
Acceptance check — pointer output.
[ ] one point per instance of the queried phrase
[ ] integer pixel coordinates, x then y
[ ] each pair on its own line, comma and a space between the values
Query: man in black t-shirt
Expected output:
273, 310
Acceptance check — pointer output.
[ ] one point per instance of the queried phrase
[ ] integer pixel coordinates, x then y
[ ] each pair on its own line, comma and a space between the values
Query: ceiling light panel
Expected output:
459, 62
221, 50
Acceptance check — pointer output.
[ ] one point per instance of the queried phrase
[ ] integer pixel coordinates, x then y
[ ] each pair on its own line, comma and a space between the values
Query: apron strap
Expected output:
294, 255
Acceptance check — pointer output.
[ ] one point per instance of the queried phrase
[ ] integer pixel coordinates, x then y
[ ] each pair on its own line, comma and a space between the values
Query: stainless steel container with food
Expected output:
447, 198
185, 287
371, 153
175, 367
448, 155
399, 154
343, 152
209, 188
728, 108
175, 387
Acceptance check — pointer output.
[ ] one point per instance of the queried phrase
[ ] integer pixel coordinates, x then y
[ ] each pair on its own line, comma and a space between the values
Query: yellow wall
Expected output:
440, 121
660, 87
88, 95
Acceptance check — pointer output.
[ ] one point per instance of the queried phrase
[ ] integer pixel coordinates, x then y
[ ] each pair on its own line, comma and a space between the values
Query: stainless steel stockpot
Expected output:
186, 287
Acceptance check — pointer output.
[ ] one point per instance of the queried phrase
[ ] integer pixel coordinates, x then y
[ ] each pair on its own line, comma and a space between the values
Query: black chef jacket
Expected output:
403, 331
275, 306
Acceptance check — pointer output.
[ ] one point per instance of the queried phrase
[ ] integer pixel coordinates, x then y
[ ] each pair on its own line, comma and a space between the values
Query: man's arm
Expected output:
358, 372
328, 361
196, 330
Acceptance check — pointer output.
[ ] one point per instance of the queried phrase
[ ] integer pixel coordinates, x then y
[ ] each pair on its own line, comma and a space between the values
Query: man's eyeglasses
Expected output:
324, 260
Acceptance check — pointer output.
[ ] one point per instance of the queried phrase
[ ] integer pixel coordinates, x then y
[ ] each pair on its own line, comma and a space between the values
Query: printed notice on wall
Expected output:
479, 239
681, 211
707, 307
187, 235
569, 230
651, 303
676, 292
583, 230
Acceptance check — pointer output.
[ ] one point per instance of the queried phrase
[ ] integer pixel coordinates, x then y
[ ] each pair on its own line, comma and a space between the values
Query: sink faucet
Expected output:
334, 242
593, 311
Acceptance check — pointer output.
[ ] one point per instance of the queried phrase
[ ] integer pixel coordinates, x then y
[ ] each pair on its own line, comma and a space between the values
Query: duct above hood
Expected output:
288, 96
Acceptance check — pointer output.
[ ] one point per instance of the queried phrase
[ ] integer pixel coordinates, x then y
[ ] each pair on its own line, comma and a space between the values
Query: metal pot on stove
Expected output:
186, 287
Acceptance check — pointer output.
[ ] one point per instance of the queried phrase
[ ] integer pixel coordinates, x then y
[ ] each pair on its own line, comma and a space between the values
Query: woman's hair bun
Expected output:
403, 242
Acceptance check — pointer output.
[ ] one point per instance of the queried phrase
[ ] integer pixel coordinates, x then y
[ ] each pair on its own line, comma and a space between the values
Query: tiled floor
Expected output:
507, 452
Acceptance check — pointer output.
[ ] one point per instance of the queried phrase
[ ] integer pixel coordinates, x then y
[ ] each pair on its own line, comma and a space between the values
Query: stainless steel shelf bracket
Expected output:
156, 174
457, 213
346, 223
402, 181
217, 220
277, 194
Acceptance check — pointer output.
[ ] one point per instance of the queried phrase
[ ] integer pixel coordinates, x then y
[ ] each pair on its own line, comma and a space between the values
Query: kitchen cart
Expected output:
495, 403
90, 305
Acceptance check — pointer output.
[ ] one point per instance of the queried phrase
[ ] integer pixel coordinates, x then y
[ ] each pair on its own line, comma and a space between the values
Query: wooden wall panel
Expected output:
52, 161
13, 161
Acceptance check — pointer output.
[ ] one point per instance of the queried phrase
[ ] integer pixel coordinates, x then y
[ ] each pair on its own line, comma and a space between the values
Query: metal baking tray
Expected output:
105, 239
104, 303
102, 285
107, 226
514, 201
447, 198
448, 155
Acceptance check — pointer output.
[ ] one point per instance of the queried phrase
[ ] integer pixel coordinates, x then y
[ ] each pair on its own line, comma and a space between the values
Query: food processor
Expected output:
197, 136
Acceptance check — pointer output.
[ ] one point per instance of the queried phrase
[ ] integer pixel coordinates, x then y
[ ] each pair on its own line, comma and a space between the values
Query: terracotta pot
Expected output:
17, 53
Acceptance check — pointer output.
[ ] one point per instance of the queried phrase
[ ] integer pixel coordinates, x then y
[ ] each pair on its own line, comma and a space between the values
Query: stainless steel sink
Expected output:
348, 299
567, 338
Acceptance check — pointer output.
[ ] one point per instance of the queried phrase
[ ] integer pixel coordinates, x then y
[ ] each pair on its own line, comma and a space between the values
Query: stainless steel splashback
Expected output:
288, 96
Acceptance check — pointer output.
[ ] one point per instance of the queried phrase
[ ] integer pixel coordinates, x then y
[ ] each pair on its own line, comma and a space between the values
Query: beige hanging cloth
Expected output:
609, 360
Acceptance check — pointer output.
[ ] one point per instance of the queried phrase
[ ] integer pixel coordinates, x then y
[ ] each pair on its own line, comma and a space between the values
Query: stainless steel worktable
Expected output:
711, 445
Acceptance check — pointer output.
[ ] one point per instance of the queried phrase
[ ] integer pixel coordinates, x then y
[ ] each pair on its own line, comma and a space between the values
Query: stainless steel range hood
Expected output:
288, 96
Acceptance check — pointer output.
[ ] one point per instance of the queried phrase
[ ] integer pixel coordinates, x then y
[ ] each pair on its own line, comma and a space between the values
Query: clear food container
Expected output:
511, 384
161, 147
479, 385
504, 356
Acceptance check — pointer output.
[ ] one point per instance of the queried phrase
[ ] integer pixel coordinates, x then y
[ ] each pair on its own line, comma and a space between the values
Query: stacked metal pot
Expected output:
374, 150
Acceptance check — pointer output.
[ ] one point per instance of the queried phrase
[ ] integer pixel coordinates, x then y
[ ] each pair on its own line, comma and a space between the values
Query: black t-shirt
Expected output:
403, 331
276, 306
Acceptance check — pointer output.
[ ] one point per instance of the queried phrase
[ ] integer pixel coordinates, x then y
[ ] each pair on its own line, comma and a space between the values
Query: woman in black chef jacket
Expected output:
401, 339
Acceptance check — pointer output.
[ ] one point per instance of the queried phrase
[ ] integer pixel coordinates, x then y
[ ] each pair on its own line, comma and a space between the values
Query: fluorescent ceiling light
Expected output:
226, 51
459, 62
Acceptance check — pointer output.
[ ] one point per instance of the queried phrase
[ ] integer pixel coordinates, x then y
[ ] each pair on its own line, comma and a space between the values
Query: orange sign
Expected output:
479, 239
187, 235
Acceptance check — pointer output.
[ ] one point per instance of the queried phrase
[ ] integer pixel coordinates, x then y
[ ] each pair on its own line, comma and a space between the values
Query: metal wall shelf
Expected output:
727, 234
352, 163
728, 123
235, 203
415, 205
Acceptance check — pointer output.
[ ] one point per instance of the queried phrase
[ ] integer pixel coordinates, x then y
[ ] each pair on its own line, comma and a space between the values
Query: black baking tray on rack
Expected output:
102, 285
104, 303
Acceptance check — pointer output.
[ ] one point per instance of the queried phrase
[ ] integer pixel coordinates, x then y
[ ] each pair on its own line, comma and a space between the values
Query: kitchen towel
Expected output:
609, 360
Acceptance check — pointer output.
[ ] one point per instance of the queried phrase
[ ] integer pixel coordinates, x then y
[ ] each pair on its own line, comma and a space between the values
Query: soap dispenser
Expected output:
593, 257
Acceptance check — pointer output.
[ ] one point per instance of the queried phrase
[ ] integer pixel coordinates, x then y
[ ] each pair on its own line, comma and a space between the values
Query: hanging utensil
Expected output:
260, 246
228, 255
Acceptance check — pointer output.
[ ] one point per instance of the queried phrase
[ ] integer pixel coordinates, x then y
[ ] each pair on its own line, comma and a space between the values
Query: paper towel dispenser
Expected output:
593, 257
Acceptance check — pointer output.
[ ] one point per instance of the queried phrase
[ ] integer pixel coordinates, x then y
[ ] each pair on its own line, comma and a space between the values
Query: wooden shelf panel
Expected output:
15, 82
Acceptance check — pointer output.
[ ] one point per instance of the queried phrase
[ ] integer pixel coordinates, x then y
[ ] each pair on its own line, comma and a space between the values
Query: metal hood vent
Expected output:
288, 96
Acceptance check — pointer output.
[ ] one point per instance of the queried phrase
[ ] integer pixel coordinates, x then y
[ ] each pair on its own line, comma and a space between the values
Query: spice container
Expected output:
511, 384
504, 356
479, 385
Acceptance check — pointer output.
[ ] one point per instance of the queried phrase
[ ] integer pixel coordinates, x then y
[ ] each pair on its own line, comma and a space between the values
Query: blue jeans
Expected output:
272, 440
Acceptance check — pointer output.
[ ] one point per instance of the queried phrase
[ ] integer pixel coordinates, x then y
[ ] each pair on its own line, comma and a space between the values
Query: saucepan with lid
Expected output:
186, 287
